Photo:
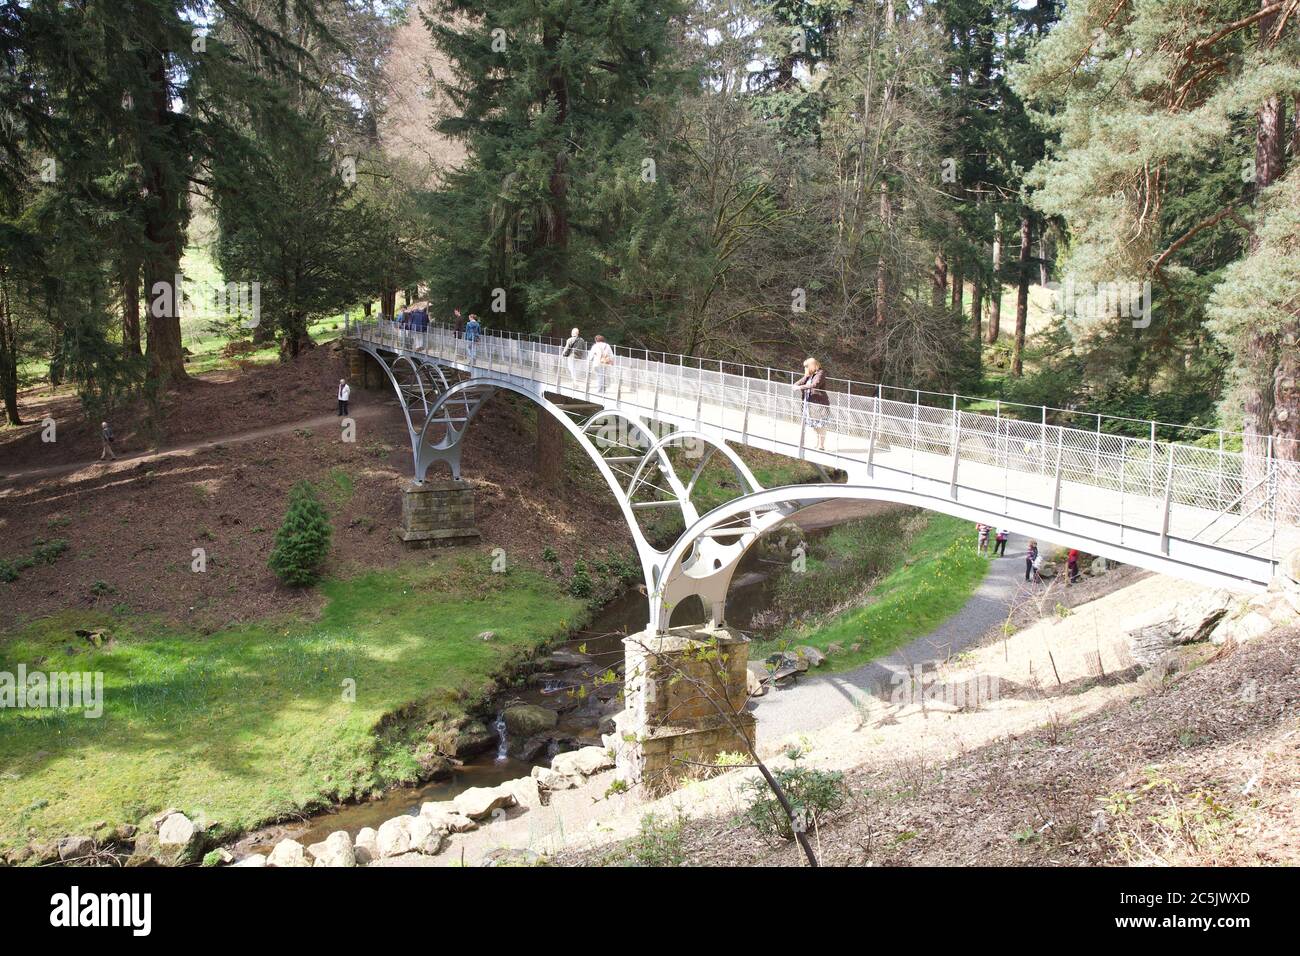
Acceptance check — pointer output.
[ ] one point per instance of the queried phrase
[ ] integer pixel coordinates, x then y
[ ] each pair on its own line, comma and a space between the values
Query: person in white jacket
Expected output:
345, 393
600, 360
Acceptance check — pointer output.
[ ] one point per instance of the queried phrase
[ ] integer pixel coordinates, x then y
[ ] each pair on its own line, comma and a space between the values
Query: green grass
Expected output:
933, 574
250, 723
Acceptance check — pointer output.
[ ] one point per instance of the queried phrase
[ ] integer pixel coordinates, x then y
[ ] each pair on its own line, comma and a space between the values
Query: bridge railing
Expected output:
1205, 491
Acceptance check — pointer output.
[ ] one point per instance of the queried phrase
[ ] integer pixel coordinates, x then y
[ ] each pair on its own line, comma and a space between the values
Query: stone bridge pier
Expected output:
685, 691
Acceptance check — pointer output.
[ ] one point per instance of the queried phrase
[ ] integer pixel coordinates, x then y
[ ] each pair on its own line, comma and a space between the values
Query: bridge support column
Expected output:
354, 360
686, 691
438, 514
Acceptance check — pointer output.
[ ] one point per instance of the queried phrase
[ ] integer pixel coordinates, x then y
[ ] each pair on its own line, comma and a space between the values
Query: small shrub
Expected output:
812, 794
580, 584
303, 541
658, 843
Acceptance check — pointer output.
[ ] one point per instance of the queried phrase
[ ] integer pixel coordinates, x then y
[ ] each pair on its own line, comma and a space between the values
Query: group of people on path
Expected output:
999, 540
1034, 558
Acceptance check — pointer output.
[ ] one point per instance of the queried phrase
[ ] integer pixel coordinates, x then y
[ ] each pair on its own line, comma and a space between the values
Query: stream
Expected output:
565, 667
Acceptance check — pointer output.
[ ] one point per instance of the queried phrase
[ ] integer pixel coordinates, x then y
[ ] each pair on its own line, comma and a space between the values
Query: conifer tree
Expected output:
303, 541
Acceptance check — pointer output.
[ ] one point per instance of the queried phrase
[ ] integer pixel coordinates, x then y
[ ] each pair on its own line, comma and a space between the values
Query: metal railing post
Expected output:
1169, 497
1056, 492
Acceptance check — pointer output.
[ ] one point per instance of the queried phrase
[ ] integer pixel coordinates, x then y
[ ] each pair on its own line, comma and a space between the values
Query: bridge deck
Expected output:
1220, 517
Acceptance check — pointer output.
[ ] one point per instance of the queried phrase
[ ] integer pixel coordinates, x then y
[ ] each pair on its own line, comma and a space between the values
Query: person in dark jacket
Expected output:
816, 403
1031, 563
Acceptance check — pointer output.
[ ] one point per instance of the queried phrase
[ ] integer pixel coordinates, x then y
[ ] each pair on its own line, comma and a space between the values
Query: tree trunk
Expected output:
1286, 400
8, 357
976, 308
882, 285
1022, 299
958, 289
995, 289
1263, 372
939, 278
162, 229
131, 308
549, 451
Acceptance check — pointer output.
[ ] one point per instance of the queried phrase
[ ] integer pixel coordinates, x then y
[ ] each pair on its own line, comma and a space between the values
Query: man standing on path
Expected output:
601, 358
472, 329
575, 350
345, 392
106, 436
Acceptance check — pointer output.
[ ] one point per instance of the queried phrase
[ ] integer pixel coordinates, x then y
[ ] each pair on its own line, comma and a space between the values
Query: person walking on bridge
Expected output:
600, 359
816, 403
575, 350
472, 330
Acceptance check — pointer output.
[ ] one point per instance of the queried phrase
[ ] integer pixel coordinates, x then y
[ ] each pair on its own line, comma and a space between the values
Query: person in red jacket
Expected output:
1072, 565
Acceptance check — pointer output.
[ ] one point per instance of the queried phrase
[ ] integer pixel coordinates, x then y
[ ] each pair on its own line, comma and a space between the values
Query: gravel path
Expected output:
812, 702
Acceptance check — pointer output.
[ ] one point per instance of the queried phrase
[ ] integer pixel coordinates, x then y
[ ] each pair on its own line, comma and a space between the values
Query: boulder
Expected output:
474, 738
1279, 606
479, 802
582, 763
255, 860
525, 791
393, 838
180, 839
336, 851
786, 664
158, 818
288, 853
812, 655
564, 658
549, 779
366, 846
1153, 634
444, 817
526, 720
424, 837
756, 683
526, 750
1098, 566
73, 848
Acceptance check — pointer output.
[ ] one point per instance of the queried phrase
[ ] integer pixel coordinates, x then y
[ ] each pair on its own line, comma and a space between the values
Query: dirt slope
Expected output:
133, 524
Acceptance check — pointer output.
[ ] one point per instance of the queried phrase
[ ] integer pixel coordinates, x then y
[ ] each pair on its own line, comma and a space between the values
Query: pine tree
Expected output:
562, 195
303, 541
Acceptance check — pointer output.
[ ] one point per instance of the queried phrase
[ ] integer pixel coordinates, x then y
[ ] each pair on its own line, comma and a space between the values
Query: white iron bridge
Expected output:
1194, 507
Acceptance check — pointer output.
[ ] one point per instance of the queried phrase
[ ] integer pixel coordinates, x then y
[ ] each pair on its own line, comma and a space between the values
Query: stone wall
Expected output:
438, 514
686, 691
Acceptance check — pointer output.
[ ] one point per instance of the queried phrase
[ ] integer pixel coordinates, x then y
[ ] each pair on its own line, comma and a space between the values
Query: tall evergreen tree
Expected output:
560, 201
